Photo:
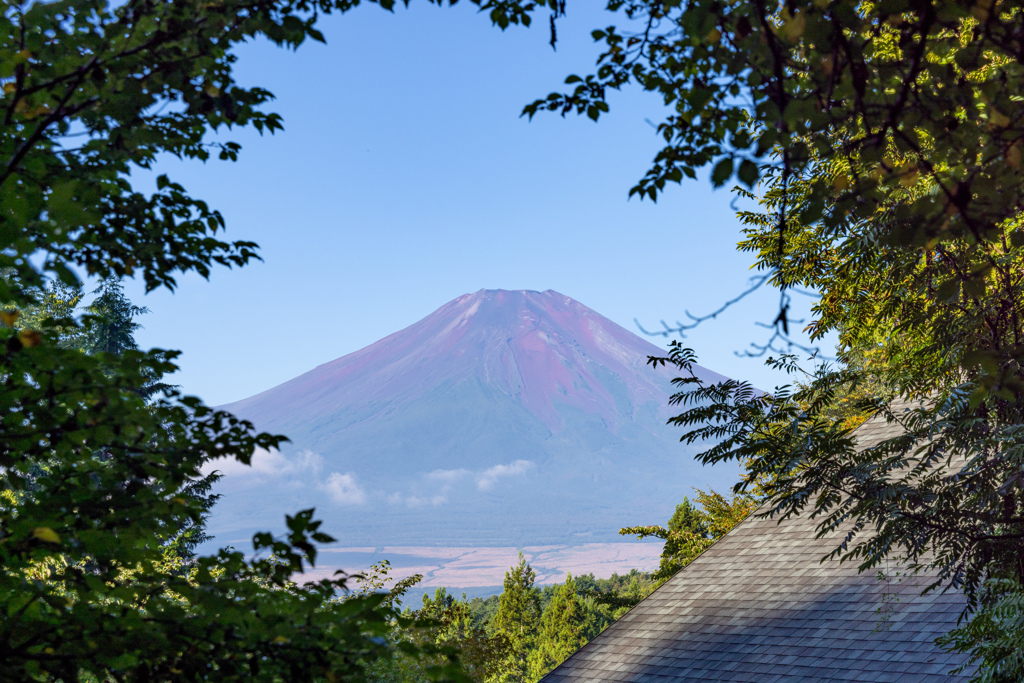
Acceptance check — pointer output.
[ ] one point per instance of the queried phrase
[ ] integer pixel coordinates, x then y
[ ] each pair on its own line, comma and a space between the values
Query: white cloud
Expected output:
308, 461
343, 488
262, 462
488, 478
299, 469
448, 476
267, 463
305, 468
417, 501
435, 487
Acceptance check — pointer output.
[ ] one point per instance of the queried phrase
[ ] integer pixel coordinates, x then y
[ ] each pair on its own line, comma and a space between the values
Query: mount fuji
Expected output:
504, 418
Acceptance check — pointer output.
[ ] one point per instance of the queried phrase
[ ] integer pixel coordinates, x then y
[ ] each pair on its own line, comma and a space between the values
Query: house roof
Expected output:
761, 605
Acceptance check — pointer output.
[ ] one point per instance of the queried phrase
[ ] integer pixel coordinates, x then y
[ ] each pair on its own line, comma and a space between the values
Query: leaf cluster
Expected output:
692, 529
93, 479
92, 91
102, 486
884, 141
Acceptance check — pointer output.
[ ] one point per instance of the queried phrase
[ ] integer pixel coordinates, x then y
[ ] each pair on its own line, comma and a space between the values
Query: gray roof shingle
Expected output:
760, 605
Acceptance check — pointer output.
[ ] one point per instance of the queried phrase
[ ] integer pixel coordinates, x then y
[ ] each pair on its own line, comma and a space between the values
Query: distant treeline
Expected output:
518, 635
634, 585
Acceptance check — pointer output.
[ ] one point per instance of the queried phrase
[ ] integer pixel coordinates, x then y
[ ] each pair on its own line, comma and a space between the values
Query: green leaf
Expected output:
748, 173
46, 534
722, 172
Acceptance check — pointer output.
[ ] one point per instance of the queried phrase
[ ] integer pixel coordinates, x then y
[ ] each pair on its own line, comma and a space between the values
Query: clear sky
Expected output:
405, 178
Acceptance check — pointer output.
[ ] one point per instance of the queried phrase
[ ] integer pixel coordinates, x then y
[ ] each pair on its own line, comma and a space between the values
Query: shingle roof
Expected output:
760, 605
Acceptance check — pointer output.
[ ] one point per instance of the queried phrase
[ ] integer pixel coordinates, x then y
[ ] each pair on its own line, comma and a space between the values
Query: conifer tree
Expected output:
516, 619
108, 325
446, 621
561, 632
112, 316
111, 327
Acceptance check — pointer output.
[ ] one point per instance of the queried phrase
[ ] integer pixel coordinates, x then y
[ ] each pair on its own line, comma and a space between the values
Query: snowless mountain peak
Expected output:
493, 387
544, 348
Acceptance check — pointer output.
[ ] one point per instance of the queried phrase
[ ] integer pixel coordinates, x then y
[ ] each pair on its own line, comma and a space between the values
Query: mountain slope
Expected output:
503, 418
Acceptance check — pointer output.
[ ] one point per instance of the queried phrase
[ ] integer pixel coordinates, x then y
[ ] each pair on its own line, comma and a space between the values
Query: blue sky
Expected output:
405, 178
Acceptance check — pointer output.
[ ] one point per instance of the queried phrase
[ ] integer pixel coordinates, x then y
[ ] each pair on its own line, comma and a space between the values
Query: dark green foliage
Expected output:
111, 320
183, 540
434, 634
616, 583
102, 495
56, 309
109, 328
86, 585
516, 619
437, 641
448, 622
605, 600
569, 618
687, 518
995, 635
562, 630
687, 521
570, 615
484, 609
692, 529
852, 401
888, 148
